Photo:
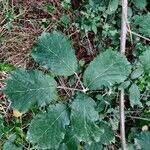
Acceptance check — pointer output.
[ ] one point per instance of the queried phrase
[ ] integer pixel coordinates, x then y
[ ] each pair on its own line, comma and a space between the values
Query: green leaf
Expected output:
108, 136
9, 144
93, 146
113, 5
130, 147
6, 67
62, 146
107, 69
101, 3
100, 106
140, 4
28, 88
114, 122
145, 61
137, 73
49, 7
94, 28
1, 126
102, 102
54, 51
65, 20
93, 2
142, 140
124, 85
143, 24
129, 12
71, 140
47, 129
83, 118
134, 96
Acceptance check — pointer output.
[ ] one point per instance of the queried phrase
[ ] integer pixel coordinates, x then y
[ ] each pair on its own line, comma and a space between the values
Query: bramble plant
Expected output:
66, 124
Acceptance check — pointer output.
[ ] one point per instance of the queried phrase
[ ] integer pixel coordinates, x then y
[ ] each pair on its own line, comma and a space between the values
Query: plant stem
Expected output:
138, 35
122, 50
68, 88
139, 118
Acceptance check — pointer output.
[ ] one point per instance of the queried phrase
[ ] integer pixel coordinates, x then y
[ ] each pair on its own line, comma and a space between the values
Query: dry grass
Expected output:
16, 42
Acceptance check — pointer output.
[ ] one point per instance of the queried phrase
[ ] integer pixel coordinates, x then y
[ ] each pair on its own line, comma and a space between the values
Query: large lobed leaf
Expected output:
54, 51
107, 69
28, 88
83, 118
47, 129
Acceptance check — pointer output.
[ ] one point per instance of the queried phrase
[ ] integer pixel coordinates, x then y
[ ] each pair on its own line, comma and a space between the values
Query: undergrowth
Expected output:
61, 74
